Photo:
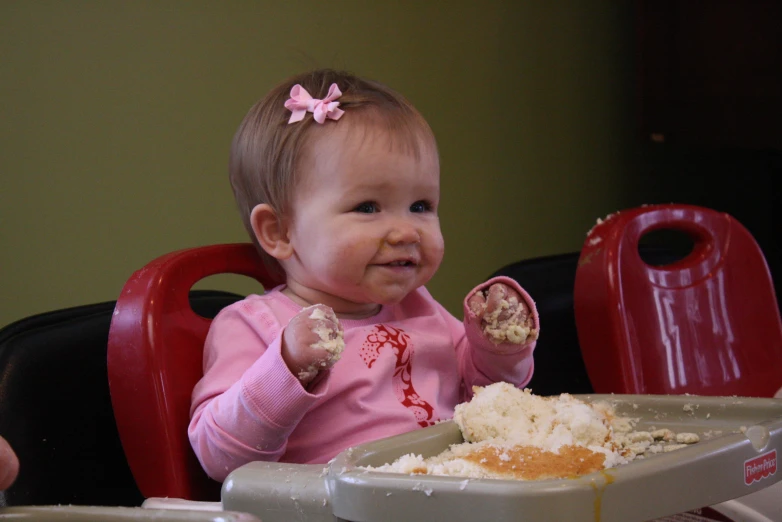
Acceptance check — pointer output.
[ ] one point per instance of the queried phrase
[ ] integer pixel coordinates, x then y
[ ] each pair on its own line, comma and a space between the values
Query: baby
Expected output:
337, 180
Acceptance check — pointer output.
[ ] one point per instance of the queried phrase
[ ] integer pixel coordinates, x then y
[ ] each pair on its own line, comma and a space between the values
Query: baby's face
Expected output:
364, 225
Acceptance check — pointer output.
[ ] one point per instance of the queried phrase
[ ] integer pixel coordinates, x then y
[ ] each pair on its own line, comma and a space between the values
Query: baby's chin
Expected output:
393, 298
383, 295
362, 306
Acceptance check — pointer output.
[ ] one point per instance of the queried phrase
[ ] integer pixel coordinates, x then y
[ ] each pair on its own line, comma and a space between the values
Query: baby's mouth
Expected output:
400, 263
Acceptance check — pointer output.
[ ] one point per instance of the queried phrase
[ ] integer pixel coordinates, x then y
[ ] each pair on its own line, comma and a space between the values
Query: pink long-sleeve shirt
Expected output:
405, 368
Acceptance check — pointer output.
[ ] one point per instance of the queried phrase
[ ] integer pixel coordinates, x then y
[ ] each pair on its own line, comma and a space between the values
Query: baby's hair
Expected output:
266, 149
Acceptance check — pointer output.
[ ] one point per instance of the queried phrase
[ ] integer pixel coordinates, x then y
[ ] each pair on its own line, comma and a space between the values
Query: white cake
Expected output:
512, 433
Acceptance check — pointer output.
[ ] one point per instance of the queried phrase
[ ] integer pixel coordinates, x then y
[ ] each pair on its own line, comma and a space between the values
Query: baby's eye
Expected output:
421, 206
367, 207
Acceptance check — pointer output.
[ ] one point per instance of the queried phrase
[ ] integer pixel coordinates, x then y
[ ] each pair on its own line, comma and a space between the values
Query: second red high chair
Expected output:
707, 324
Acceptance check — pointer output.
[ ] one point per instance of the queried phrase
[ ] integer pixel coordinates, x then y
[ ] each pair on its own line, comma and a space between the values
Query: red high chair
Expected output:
155, 352
707, 324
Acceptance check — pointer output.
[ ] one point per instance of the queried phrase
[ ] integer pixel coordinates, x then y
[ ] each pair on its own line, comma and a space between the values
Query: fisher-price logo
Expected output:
760, 467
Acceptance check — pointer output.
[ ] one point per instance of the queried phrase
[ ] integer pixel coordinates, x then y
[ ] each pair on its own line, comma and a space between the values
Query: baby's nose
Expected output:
403, 232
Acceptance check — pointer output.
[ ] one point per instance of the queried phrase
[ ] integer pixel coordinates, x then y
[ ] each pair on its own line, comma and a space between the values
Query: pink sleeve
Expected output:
481, 361
248, 402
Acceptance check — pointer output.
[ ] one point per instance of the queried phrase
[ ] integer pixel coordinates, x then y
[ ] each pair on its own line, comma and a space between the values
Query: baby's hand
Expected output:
312, 342
504, 315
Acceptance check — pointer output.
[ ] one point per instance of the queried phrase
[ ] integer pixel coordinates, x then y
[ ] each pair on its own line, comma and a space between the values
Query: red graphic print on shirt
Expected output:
386, 337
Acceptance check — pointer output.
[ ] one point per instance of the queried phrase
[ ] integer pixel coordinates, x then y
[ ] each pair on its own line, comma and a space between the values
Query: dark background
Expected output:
710, 111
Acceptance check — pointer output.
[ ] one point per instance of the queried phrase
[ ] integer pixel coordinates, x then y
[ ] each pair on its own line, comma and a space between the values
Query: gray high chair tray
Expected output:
737, 455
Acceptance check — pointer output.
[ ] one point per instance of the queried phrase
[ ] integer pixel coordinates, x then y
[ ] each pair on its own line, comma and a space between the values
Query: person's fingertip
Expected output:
9, 466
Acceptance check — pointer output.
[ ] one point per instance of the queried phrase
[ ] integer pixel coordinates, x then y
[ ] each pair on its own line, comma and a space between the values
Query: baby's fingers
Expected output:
327, 329
312, 341
506, 304
507, 316
495, 296
477, 304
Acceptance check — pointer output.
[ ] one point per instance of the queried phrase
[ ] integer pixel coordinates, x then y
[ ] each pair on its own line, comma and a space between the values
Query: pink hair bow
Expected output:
301, 102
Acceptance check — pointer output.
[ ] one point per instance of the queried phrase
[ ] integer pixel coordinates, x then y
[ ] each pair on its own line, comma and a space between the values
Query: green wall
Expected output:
117, 118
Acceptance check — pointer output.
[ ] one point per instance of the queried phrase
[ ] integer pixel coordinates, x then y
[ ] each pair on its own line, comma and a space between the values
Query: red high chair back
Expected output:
707, 324
155, 353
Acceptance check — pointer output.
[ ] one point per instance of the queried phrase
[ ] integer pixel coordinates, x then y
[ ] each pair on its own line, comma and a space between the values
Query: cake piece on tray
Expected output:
513, 434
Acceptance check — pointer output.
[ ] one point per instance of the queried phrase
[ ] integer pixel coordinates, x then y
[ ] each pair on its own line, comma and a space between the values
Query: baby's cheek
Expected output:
360, 248
435, 246
347, 256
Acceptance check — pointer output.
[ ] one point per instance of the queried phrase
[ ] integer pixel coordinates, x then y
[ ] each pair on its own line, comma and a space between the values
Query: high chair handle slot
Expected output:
709, 232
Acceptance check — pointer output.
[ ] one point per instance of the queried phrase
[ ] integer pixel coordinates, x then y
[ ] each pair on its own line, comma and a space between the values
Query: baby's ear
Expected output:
270, 231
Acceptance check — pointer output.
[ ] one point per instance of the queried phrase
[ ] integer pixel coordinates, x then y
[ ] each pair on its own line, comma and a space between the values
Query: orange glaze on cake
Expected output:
531, 463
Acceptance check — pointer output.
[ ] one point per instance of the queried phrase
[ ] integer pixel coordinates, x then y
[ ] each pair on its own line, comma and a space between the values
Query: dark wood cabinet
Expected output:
710, 72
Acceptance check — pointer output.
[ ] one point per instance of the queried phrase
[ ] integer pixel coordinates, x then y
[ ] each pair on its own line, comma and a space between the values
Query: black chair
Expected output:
55, 408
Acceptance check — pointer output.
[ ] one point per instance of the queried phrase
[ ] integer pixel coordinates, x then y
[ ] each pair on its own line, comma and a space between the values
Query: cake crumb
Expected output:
687, 438
663, 434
